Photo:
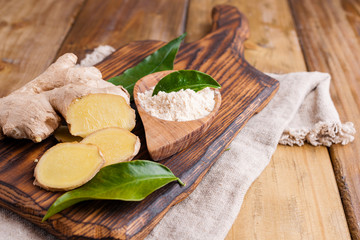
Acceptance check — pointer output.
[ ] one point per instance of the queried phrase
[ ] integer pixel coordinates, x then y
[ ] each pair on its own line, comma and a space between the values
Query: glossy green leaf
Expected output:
185, 79
127, 181
161, 60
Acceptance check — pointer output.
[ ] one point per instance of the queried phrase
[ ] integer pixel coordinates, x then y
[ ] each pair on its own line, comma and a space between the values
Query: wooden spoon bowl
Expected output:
165, 138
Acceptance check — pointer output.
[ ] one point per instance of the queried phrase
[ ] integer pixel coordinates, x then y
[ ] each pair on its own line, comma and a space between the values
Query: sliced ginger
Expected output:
97, 111
63, 135
67, 166
116, 144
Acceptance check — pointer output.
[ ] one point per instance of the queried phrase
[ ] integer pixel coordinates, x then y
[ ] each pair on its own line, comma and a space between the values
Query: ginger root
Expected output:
116, 144
26, 115
67, 166
31, 111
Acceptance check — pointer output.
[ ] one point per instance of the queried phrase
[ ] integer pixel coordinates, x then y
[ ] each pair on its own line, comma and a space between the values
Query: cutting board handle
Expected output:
230, 21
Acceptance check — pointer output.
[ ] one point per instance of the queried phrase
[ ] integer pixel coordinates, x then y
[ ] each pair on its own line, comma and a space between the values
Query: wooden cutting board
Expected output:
245, 91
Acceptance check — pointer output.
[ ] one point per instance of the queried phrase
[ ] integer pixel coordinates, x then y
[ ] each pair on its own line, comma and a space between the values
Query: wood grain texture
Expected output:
296, 195
293, 201
175, 136
118, 22
330, 39
30, 37
243, 88
273, 43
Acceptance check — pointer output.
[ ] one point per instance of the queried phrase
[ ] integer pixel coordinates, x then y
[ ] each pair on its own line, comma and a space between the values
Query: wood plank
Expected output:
30, 37
133, 220
329, 34
296, 196
307, 209
118, 22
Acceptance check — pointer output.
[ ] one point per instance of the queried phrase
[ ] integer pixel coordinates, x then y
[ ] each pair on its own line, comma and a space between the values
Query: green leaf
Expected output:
161, 60
185, 79
127, 181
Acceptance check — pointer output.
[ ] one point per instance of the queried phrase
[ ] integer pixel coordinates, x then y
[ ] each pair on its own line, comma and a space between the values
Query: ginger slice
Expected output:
63, 135
116, 144
67, 166
97, 111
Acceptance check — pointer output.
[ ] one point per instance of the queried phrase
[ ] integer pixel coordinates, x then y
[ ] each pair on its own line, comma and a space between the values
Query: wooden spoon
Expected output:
164, 138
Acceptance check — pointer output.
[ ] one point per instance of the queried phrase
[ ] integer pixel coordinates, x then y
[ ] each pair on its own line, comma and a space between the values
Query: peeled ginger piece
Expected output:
116, 144
62, 135
97, 111
67, 166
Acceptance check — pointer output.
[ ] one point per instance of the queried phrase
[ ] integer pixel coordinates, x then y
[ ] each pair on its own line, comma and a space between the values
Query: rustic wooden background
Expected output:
305, 192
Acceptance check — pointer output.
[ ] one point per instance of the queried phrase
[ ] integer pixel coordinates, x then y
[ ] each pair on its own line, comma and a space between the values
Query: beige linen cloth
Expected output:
301, 111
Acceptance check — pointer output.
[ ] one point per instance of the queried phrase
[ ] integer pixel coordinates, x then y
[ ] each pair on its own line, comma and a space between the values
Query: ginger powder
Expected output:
184, 105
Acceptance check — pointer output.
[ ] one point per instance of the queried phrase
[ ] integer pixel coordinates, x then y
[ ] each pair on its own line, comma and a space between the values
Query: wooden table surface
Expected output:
305, 192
